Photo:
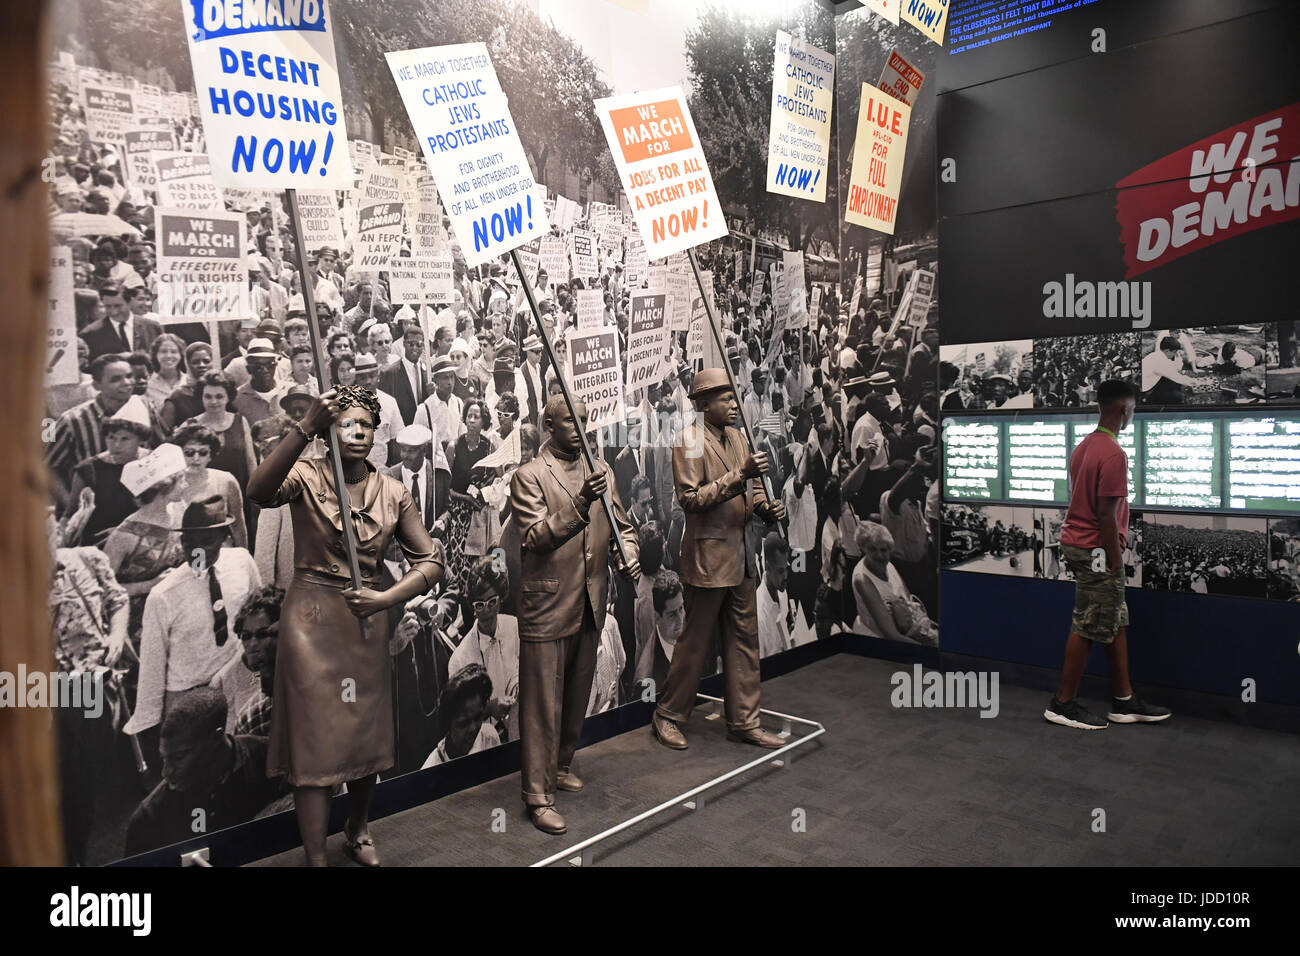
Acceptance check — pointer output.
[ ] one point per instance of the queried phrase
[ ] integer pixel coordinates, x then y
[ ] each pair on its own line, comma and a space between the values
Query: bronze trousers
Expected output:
736, 612
554, 688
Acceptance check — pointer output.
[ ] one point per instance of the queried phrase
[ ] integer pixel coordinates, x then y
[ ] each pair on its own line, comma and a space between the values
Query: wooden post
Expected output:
29, 787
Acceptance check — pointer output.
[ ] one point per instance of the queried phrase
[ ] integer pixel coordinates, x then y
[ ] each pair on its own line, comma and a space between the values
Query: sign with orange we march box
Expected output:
662, 167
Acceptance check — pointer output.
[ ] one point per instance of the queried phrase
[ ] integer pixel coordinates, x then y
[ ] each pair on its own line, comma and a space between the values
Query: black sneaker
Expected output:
1073, 714
1136, 711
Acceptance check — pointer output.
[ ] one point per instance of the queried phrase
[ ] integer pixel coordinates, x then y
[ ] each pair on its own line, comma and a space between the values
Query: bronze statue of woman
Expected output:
332, 719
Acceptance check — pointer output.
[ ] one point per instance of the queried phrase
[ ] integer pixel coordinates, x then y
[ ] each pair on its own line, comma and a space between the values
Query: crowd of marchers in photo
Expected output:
845, 406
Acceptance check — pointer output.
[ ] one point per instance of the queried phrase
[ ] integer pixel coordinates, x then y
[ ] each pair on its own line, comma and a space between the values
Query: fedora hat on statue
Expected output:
709, 380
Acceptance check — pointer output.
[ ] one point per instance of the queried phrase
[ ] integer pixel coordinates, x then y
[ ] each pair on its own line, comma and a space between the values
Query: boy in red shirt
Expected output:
1092, 545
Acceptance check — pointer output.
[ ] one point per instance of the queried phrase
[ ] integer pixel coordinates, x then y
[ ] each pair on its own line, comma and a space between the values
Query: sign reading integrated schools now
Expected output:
268, 92
462, 119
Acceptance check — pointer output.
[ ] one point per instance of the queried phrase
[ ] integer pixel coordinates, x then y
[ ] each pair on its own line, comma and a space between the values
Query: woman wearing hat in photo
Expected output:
230, 428
145, 546
331, 633
100, 476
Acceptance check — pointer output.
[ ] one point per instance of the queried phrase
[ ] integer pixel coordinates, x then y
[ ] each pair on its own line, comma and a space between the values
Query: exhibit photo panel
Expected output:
399, 267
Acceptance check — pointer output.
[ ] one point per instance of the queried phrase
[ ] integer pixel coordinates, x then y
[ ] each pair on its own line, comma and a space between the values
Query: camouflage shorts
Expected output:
1099, 606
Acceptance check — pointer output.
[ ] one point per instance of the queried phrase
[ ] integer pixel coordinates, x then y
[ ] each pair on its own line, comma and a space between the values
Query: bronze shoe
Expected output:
568, 781
362, 850
668, 733
758, 737
548, 820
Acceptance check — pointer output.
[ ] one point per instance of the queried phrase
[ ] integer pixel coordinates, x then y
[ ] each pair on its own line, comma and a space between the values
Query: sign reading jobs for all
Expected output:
799, 141
201, 270
661, 165
878, 152
471, 145
268, 92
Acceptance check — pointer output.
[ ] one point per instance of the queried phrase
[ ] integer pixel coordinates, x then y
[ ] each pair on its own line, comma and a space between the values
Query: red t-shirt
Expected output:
1098, 469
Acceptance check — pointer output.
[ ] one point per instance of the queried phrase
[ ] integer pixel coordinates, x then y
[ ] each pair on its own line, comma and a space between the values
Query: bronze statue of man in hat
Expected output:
716, 477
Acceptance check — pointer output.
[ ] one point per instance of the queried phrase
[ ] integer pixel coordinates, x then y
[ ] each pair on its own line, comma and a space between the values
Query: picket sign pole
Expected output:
726, 364
614, 534
309, 303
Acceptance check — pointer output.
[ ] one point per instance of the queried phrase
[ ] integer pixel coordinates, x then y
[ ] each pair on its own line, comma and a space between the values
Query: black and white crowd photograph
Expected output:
1204, 554
1068, 369
987, 375
1284, 559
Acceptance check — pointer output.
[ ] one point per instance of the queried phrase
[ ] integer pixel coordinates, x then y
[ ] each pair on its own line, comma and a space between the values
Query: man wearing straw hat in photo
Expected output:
715, 478
185, 638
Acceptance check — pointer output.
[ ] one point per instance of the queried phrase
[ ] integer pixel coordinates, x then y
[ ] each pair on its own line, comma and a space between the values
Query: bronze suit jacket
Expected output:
563, 555
711, 489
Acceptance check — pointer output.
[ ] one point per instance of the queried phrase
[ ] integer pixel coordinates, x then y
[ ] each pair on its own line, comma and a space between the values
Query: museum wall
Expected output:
117, 547
1118, 199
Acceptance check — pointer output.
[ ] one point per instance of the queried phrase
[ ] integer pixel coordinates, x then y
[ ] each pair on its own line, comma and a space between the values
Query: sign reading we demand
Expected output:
471, 144
660, 162
268, 92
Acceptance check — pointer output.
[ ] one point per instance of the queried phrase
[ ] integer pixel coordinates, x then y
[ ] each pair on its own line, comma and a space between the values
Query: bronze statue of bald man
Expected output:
566, 546
717, 481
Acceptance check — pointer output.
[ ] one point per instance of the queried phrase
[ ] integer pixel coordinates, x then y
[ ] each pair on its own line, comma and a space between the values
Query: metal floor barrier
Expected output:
580, 854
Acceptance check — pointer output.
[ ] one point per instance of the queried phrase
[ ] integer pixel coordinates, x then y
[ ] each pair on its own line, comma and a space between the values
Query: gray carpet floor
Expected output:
889, 786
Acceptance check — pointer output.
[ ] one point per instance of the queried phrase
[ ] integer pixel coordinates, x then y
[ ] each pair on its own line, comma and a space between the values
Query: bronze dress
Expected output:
332, 711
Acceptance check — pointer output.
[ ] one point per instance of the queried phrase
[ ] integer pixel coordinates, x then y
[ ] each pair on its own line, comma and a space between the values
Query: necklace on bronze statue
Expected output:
361, 476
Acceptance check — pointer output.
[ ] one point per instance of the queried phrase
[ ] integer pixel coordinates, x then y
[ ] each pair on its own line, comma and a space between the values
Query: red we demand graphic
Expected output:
1238, 180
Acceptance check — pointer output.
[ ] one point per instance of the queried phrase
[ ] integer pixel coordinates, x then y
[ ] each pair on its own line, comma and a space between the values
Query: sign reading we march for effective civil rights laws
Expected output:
662, 168
799, 139
268, 92
470, 142
878, 152
201, 270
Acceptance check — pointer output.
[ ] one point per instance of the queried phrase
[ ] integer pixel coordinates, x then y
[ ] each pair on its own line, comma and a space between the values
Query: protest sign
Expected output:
530, 260
61, 335
637, 267
662, 167
922, 295
591, 308
739, 270
795, 284
681, 293
185, 181
884, 8
437, 278
567, 212
814, 309
138, 144
470, 142
553, 256
379, 220
268, 92
585, 263
857, 295
596, 375
318, 212
875, 269
928, 16
427, 237
696, 333
900, 79
109, 114
647, 337
878, 152
148, 100
799, 138
404, 282
201, 270
756, 289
